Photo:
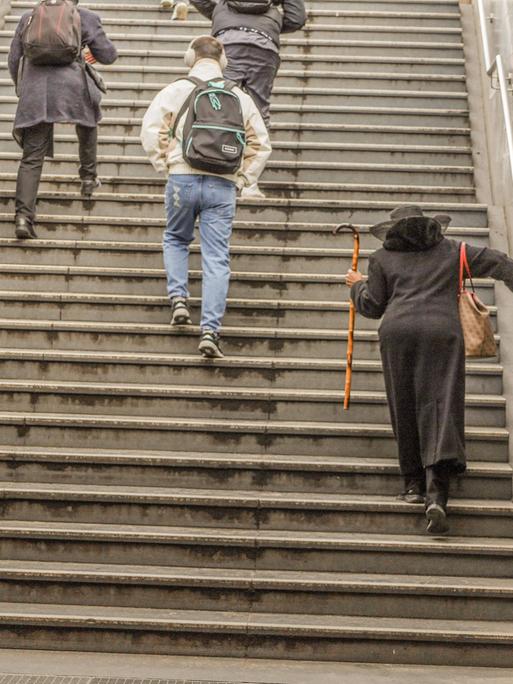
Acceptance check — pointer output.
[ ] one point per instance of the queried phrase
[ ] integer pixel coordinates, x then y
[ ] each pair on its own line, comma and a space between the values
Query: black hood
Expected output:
414, 234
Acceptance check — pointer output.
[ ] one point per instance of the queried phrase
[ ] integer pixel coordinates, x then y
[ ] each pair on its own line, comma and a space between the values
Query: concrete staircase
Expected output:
156, 502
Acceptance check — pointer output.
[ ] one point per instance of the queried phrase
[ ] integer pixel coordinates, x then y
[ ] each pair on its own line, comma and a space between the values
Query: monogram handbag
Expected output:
474, 315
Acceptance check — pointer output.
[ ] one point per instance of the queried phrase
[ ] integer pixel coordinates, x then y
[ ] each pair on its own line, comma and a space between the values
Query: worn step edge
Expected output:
324, 429
205, 460
250, 362
255, 539
128, 221
211, 392
252, 499
259, 580
256, 624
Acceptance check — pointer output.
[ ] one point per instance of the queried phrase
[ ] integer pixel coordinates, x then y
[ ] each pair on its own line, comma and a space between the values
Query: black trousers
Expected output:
37, 143
253, 69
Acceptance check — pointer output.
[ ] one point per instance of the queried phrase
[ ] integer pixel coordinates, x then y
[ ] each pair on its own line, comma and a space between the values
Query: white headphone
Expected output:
190, 55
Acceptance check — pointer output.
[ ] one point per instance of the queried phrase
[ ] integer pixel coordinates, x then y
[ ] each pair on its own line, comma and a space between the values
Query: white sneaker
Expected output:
166, 4
181, 12
252, 192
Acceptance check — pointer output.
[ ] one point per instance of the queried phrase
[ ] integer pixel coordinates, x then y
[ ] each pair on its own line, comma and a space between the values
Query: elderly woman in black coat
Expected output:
413, 283
55, 94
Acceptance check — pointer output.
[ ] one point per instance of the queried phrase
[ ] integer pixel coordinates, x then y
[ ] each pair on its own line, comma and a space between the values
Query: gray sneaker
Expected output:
210, 346
179, 312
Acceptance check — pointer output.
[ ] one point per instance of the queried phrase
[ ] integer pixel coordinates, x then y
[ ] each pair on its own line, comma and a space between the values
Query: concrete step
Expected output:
255, 549
169, 58
285, 437
137, 175
255, 233
211, 401
293, 78
256, 635
285, 184
304, 287
319, 593
295, 113
286, 373
271, 209
156, 310
449, 19
328, 41
353, 513
161, 27
364, 95
292, 152
295, 132
315, 474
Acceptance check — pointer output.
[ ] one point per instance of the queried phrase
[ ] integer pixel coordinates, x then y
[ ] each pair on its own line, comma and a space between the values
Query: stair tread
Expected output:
258, 623
256, 578
229, 498
280, 539
212, 390
232, 460
233, 361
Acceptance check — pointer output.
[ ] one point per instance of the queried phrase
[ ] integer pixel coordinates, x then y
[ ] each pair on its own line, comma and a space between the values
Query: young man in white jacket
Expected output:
192, 194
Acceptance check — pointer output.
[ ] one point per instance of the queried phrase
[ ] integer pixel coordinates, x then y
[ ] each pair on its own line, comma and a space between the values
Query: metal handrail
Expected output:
496, 65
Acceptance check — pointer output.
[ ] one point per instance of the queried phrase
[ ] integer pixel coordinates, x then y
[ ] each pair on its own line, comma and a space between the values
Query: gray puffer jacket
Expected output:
291, 17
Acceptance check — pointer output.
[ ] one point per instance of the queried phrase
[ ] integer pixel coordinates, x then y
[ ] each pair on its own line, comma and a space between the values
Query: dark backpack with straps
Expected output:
214, 135
53, 35
250, 6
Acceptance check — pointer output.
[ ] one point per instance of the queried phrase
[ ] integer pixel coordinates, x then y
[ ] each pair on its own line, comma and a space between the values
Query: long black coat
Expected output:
54, 94
413, 284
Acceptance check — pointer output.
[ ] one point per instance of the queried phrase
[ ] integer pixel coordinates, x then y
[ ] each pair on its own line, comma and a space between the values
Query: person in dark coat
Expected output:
413, 284
55, 94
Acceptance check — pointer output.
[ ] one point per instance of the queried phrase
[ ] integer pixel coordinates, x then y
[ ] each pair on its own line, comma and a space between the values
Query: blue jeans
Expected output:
212, 200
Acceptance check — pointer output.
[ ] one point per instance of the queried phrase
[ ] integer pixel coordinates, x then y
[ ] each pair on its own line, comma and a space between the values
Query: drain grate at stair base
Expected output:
62, 679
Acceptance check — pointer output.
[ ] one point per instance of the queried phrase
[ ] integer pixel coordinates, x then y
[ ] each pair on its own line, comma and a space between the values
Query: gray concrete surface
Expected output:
232, 670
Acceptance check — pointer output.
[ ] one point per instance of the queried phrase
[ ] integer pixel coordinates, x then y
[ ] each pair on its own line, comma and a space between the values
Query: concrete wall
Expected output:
494, 183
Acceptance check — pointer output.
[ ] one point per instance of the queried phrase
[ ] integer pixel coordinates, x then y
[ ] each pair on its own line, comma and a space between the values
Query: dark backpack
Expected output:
250, 6
214, 135
53, 35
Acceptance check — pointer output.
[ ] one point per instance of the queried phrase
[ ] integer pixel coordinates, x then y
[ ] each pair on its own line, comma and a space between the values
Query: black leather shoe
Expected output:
437, 520
89, 186
24, 229
414, 492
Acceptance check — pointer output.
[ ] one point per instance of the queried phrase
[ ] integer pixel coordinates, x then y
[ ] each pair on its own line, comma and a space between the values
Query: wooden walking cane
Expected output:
352, 313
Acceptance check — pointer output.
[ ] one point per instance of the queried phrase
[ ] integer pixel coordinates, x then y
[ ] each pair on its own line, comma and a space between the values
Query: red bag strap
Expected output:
464, 269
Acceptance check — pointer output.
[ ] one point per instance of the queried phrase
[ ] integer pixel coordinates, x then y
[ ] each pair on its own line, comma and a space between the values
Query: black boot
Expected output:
414, 490
437, 495
24, 229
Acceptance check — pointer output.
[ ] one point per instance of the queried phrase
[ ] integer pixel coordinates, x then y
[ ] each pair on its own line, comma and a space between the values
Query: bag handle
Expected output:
464, 270
183, 110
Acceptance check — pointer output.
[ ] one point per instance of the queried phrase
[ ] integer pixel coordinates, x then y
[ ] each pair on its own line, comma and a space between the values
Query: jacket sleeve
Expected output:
16, 52
258, 145
371, 298
156, 126
294, 15
102, 49
490, 263
205, 7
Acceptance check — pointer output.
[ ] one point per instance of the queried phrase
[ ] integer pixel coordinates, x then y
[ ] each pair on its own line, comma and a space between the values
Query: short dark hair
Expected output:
208, 47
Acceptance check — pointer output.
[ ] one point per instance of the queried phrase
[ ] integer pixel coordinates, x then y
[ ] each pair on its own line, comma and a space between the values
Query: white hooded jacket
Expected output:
165, 153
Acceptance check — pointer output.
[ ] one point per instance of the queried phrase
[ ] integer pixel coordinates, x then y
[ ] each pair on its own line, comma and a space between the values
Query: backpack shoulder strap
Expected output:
184, 108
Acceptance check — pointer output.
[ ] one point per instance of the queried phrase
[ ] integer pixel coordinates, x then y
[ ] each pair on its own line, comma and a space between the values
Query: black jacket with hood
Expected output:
287, 17
413, 283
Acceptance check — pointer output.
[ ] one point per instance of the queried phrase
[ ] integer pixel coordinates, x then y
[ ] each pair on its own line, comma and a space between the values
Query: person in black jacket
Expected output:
413, 283
251, 39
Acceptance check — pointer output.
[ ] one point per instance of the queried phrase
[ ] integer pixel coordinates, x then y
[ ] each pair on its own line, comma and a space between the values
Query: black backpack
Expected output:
250, 6
214, 135
53, 34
